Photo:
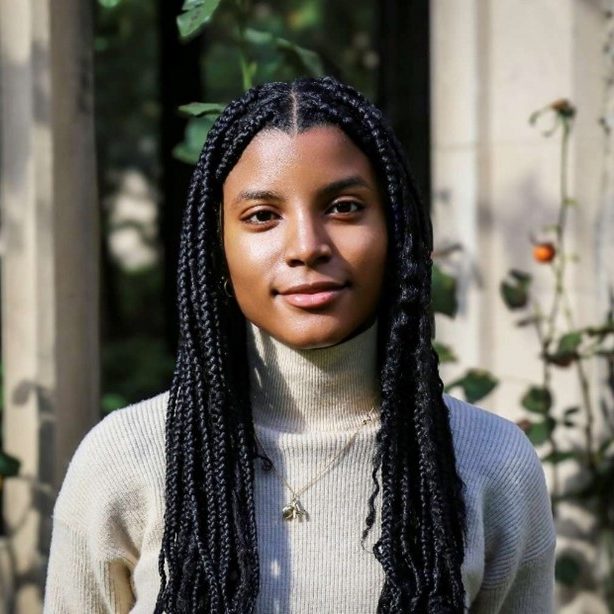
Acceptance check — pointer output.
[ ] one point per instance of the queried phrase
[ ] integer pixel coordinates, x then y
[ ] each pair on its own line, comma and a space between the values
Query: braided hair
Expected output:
209, 555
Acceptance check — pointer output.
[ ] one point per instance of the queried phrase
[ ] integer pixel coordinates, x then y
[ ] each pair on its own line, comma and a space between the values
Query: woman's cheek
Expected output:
250, 264
366, 254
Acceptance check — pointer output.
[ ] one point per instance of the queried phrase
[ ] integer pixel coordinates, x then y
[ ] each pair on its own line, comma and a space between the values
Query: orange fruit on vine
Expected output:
544, 252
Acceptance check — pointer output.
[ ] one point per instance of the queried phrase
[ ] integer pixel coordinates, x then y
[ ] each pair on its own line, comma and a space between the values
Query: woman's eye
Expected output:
346, 206
260, 217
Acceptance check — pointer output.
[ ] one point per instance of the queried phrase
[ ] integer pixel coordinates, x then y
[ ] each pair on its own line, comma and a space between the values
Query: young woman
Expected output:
305, 458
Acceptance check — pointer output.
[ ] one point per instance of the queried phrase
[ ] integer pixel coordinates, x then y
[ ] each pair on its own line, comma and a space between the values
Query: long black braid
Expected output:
209, 556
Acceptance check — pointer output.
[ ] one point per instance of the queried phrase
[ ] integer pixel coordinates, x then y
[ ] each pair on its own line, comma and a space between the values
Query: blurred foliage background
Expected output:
145, 70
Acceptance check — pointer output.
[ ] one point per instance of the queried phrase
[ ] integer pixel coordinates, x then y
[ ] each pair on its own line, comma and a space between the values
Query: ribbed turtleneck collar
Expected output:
323, 389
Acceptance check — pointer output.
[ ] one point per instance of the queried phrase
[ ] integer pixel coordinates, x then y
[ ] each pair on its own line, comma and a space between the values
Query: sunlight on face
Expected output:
305, 235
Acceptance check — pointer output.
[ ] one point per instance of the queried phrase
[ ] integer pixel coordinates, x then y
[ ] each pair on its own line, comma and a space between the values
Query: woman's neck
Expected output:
323, 389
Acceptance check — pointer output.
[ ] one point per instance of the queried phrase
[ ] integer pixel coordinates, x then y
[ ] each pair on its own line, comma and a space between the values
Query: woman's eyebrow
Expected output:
256, 195
341, 184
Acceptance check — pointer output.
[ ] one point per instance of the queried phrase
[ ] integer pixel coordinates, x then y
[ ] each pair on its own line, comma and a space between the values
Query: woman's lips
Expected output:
314, 294
313, 299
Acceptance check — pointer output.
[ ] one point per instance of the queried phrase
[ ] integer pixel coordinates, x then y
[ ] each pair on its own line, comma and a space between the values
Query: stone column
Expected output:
50, 238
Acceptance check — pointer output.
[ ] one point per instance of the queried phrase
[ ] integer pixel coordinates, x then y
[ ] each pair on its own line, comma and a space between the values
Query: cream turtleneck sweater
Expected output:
108, 519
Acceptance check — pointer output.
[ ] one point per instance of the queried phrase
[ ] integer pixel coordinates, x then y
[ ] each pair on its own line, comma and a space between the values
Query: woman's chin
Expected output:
310, 333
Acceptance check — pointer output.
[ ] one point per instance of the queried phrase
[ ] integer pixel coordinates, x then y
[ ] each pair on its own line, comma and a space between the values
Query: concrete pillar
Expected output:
50, 240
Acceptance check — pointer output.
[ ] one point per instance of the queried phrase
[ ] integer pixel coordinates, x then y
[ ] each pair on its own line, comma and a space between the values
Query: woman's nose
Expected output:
307, 242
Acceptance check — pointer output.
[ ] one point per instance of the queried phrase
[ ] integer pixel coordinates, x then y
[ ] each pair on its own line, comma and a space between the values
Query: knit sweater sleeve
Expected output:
530, 590
96, 534
81, 580
519, 538
511, 513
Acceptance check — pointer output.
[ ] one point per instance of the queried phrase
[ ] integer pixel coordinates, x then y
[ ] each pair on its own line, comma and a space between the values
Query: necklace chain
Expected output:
295, 509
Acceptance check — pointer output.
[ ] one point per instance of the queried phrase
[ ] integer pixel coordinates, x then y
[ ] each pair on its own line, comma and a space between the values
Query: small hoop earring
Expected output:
227, 292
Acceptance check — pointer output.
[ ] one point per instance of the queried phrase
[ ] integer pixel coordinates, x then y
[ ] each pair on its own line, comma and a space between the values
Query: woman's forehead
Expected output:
321, 154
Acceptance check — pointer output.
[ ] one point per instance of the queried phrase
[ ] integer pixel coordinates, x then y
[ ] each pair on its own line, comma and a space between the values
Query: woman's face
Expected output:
305, 236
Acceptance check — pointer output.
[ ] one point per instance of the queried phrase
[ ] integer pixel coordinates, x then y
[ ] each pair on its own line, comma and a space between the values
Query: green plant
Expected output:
475, 383
261, 56
565, 346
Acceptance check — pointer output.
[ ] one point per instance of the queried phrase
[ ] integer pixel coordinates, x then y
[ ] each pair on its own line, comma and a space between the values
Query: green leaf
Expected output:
539, 432
443, 290
198, 109
191, 4
515, 289
558, 457
258, 37
445, 352
566, 351
476, 384
567, 569
9, 465
307, 59
537, 399
514, 296
196, 15
522, 277
570, 342
196, 131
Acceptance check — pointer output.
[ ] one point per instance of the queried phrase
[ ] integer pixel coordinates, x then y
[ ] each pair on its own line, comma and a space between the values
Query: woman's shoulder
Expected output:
504, 481
139, 426
494, 456
488, 442
132, 433
115, 461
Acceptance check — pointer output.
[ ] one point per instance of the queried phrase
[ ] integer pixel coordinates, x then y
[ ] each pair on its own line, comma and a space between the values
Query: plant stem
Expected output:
245, 71
539, 316
555, 482
591, 461
560, 230
242, 16
568, 312
558, 268
558, 264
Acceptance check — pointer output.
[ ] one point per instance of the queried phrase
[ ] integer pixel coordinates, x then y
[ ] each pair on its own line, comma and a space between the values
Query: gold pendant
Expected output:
294, 510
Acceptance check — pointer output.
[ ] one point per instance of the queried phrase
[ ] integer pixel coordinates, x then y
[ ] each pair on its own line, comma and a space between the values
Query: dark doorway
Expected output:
404, 81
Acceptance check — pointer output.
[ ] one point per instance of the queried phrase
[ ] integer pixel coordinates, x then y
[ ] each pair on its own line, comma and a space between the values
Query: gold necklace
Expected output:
294, 509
